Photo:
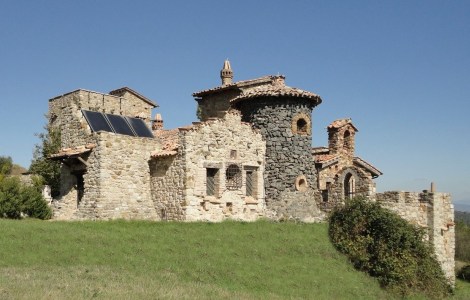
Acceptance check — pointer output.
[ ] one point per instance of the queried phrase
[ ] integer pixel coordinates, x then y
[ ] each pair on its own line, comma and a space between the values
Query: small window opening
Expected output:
324, 195
211, 182
233, 154
233, 177
80, 185
229, 206
301, 126
347, 141
250, 183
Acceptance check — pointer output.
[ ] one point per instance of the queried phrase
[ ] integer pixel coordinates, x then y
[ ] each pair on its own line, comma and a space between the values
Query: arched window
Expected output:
347, 141
301, 183
233, 177
301, 124
349, 186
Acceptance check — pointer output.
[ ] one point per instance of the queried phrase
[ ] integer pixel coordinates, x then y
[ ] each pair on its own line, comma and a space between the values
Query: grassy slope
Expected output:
144, 260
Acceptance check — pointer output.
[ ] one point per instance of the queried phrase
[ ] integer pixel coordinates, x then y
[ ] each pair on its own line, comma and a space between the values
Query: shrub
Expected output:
464, 273
381, 243
18, 199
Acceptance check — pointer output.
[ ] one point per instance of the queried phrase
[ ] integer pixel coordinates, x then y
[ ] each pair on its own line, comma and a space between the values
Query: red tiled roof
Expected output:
320, 150
169, 141
72, 152
163, 153
276, 90
242, 83
367, 166
340, 123
322, 158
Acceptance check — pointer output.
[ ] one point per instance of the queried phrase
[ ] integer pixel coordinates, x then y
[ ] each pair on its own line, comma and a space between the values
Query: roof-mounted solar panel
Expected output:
120, 125
117, 124
97, 121
140, 127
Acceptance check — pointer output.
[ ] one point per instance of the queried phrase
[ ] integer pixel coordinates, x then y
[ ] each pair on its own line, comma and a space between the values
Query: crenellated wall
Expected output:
435, 213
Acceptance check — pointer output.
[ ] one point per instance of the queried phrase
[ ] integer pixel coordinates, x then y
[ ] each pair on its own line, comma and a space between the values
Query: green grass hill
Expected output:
148, 260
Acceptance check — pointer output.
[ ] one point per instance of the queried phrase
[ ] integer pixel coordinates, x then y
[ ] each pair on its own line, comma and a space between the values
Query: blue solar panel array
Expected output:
117, 124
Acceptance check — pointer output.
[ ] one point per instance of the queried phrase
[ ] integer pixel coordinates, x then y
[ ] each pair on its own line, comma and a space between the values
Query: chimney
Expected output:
226, 74
157, 123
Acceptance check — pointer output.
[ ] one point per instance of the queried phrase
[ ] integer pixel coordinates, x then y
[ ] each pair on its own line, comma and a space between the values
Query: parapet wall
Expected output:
435, 213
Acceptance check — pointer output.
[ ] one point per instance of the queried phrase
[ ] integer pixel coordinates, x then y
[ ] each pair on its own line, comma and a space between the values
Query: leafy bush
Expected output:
381, 243
464, 273
18, 199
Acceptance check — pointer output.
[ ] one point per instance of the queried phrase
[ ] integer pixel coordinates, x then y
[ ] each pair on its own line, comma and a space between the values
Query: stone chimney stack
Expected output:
226, 74
157, 123
433, 187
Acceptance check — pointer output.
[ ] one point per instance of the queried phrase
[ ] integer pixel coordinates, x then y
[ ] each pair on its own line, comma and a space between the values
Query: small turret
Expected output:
226, 74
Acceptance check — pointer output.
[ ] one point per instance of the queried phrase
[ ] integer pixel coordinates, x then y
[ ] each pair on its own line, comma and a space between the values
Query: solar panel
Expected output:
120, 125
97, 121
117, 124
140, 127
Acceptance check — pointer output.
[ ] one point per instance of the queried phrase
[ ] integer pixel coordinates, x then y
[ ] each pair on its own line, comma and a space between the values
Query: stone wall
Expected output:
179, 182
332, 180
219, 144
288, 154
116, 180
216, 105
435, 213
167, 177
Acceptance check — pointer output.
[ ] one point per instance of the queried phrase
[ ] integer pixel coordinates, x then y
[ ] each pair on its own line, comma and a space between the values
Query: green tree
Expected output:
49, 170
18, 199
6, 164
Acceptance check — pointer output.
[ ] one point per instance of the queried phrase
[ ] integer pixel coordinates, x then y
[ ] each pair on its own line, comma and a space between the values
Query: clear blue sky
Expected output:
399, 69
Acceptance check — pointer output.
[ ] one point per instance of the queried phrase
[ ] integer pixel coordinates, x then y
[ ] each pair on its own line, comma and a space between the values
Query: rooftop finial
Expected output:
226, 74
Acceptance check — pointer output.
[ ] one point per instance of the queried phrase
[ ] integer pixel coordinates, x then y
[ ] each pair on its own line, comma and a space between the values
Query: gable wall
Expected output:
210, 145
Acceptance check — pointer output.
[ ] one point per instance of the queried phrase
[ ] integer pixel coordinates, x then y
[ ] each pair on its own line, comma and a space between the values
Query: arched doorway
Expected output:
349, 185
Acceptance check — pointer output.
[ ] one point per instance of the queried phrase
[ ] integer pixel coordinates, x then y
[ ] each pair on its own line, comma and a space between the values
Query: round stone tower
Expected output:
283, 115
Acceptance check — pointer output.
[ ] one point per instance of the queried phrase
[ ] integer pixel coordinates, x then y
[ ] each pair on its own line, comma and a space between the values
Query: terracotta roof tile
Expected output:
367, 165
276, 90
163, 153
323, 158
70, 152
168, 138
320, 150
340, 123
242, 83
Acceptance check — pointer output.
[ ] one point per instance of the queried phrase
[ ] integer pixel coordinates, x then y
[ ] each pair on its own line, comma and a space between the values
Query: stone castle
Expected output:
250, 156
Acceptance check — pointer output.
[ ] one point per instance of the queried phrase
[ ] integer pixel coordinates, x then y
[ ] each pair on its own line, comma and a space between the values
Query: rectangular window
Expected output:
250, 184
211, 181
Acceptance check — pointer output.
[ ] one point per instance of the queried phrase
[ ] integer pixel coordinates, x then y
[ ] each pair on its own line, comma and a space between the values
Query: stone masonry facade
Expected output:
250, 156
435, 213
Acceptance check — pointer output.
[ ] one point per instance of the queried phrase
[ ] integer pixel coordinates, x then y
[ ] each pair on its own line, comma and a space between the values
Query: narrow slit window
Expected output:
211, 181
250, 183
